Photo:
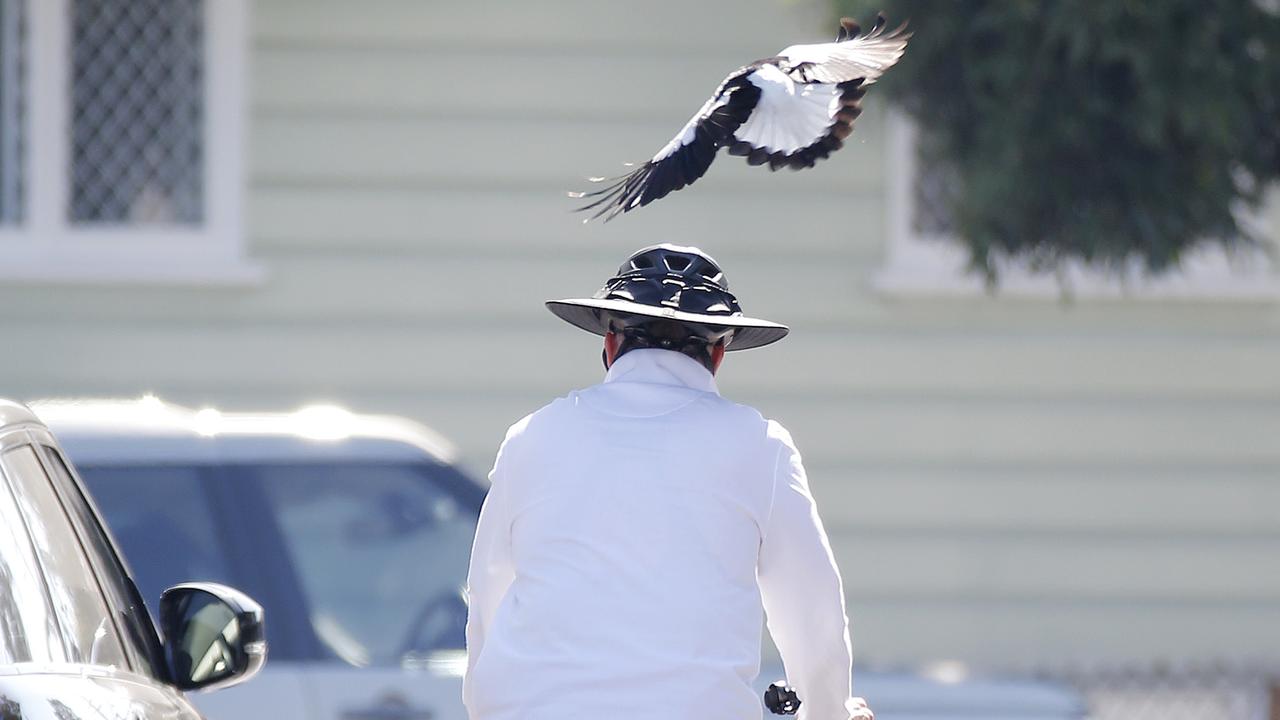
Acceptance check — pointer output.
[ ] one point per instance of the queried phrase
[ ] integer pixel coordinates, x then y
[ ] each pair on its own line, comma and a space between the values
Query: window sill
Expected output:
204, 257
935, 266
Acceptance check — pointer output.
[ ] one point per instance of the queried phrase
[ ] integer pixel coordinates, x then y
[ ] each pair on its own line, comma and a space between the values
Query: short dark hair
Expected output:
667, 335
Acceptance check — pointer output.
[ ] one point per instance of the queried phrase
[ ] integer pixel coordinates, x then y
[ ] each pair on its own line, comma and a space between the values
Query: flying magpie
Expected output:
790, 110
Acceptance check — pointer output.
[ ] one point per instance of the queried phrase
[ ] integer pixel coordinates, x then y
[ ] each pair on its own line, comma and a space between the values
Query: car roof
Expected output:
12, 413
151, 430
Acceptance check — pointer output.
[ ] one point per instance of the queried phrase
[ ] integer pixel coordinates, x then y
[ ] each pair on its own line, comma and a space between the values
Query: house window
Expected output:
137, 111
12, 90
121, 126
924, 258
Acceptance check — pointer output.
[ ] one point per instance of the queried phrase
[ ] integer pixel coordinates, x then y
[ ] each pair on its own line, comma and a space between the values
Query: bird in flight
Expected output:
790, 110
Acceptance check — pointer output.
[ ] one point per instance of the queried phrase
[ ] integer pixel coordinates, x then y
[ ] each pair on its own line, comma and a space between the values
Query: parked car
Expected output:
76, 640
355, 532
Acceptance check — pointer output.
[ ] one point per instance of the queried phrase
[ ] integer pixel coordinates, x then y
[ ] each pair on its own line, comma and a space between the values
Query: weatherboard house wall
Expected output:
1007, 482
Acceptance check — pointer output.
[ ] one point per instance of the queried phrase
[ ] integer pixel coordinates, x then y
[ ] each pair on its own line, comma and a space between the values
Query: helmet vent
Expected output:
675, 263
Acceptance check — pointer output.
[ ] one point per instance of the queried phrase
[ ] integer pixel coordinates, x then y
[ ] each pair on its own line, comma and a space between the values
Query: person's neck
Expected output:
662, 367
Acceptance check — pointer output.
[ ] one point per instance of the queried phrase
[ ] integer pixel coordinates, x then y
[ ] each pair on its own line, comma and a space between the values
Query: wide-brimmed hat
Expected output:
669, 282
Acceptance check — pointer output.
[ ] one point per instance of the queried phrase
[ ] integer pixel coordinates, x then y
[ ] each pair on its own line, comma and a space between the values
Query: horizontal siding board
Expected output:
557, 156
592, 26
1113, 500
976, 366
997, 634
1087, 567
664, 87
743, 224
939, 431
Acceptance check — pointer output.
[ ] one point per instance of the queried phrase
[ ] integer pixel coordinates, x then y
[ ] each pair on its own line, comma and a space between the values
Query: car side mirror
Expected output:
213, 635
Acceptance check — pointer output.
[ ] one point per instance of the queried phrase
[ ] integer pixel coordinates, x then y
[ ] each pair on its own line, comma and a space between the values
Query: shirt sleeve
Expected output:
803, 595
491, 571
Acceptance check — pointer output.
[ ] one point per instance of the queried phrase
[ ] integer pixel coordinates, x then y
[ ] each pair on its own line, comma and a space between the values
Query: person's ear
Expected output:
717, 356
612, 341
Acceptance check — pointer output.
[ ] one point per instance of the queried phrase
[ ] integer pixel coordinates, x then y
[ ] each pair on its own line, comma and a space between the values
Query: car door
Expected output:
102, 633
380, 551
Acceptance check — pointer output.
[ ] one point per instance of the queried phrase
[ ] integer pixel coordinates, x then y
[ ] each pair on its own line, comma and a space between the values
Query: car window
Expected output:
137, 630
160, 516
88, 631
28, 629
381, 551
174, 523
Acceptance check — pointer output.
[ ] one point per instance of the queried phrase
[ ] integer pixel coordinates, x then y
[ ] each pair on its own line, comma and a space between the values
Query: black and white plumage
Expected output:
790, 110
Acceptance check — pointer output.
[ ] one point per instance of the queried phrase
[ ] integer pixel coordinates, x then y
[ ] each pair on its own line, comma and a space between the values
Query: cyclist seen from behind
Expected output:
636, 530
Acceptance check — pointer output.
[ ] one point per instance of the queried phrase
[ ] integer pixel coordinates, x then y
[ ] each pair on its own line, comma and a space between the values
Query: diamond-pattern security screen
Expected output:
934, 187
1188, 693
12, 91
137, 111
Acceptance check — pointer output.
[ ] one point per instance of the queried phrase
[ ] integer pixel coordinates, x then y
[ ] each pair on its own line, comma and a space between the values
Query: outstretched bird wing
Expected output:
811, 94
684, 159
790, 110
860, 57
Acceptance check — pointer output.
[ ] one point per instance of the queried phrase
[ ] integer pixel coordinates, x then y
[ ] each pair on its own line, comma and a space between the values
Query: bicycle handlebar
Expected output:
781, 699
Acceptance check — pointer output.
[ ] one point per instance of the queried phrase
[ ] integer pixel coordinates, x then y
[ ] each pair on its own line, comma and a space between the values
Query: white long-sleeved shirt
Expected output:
633, 533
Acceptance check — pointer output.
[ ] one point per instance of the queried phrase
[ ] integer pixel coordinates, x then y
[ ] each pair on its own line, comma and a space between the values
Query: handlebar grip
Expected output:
781, 699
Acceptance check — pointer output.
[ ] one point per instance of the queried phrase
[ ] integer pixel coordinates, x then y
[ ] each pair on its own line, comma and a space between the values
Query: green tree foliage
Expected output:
1099, 130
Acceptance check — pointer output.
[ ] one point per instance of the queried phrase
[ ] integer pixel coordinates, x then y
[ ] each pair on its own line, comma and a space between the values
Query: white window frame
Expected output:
922, 266
47, 246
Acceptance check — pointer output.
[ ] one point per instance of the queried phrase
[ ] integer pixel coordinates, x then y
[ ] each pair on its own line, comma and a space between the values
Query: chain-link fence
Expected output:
1212, 692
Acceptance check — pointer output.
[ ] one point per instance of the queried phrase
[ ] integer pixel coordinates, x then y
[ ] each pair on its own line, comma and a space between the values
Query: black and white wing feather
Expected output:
684, 159
859, 57
811, 94
790, 110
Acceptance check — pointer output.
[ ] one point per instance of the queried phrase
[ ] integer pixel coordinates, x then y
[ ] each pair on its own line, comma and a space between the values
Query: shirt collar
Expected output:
662, 367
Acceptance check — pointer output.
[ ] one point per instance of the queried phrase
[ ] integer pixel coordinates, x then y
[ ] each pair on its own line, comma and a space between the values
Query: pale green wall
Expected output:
1006, 482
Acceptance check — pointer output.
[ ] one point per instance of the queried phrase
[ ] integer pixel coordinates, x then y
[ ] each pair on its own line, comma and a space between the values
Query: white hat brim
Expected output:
593, 315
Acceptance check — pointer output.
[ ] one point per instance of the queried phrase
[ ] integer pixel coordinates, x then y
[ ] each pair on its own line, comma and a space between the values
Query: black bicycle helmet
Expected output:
670, 282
